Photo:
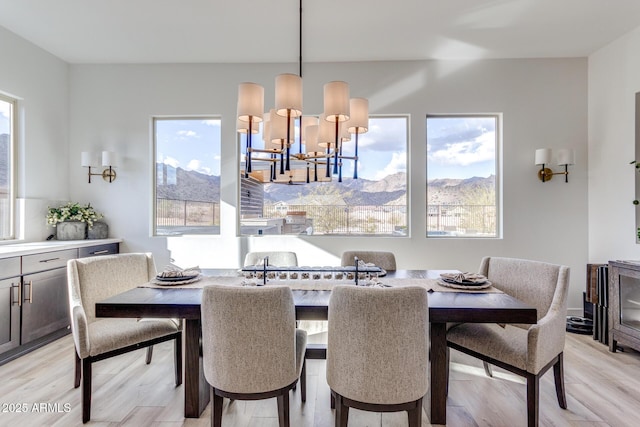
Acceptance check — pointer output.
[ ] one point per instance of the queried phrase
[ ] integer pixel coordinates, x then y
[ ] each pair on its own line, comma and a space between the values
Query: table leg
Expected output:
438, 389
196, 389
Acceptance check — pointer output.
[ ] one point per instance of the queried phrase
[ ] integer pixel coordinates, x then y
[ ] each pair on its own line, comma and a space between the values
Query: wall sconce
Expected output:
108, 162
565, 157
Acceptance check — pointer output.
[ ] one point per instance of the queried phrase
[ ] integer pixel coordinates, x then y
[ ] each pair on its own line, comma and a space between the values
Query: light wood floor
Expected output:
603, 389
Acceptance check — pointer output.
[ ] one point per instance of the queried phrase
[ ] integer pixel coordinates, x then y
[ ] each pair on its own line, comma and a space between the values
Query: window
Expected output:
7, 126
462, 196
375, 204
187, 176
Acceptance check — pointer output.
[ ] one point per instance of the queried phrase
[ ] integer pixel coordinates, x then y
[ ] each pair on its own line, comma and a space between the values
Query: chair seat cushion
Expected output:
110, 334
507, 344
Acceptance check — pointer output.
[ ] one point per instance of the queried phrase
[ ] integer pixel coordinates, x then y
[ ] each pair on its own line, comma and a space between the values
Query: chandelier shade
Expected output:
359, 120
250, 102
336, 101
289, 95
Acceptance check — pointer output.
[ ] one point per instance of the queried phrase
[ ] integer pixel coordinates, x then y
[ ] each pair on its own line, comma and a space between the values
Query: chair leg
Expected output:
78, 370
558, 373
283, 409
149, 354
415, 414
487, 369
533, 391
342, 412
216, 409
177, 358
303, 381
86, 390
333, 401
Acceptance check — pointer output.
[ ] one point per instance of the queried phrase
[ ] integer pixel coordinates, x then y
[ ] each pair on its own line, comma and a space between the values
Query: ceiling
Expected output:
227, 31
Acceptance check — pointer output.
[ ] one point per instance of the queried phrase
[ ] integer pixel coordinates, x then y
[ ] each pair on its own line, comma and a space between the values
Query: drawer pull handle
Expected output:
49, 260
105, 251
13, 301
30, 300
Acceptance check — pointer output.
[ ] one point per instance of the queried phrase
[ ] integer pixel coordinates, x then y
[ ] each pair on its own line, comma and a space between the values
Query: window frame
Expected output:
12, 173
240, 138
153, 229
499, 143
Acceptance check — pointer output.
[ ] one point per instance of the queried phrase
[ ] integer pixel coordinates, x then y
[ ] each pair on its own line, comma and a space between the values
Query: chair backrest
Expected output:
248, 338
378, 343
536, 283
96, 278
386, 260
277, 258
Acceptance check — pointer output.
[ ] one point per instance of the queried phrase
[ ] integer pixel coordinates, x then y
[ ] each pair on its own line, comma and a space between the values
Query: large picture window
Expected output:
462, 189
374, 204
7, 126
187, 176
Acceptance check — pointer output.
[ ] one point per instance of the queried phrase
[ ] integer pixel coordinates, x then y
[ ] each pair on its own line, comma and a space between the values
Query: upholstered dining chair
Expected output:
526, 350
251, 348
377, 352
278, 258
385, 260
96, 278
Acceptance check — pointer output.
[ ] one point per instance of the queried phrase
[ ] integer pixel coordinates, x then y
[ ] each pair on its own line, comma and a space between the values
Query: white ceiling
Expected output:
203, 31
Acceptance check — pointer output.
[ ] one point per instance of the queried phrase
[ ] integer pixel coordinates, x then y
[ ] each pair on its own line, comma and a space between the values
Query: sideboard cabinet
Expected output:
34, 302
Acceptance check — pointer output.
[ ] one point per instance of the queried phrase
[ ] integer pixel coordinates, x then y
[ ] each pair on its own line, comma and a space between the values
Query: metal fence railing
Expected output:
175, 213
345, 219
461, 220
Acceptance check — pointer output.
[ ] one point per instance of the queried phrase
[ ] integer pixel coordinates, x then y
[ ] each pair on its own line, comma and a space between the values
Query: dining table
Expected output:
312, 304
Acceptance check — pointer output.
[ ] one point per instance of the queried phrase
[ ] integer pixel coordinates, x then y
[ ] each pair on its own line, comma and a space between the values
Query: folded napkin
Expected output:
464, 277
173, 271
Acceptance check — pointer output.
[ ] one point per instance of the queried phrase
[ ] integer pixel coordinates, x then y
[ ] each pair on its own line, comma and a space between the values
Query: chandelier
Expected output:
321, 140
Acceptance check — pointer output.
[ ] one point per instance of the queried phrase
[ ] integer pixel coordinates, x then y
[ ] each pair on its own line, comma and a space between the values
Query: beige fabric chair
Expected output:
526, 350
277, 258
386, 260
377, 352
96, 278
251, 348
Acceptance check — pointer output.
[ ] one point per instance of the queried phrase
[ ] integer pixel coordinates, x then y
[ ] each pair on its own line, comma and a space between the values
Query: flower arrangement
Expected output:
73, 212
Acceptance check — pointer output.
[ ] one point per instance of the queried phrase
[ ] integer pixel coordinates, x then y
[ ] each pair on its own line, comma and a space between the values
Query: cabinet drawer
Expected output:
9, 267
47, 260
106, 249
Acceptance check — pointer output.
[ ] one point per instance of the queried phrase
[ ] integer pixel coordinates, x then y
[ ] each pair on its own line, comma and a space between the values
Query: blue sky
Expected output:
457, 147
461, 147
192, 144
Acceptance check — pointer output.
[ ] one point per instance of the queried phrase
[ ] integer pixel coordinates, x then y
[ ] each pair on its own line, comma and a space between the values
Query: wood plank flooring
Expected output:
603, 389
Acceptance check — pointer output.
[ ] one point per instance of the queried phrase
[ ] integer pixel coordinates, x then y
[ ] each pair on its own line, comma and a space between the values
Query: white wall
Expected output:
40, 82
544, 103
614, 79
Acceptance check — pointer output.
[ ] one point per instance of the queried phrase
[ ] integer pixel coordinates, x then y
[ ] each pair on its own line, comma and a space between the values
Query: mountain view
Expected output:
186, 185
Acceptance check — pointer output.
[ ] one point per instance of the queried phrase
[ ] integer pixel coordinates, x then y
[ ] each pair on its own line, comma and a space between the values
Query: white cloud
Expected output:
397, 164
465, 153
196, 165
170, 161
211, 122
187, 133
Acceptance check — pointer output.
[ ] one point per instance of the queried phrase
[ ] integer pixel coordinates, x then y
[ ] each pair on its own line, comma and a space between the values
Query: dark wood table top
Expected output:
313, 305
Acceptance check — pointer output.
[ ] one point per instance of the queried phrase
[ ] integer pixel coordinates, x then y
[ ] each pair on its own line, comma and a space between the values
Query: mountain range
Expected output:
192, 185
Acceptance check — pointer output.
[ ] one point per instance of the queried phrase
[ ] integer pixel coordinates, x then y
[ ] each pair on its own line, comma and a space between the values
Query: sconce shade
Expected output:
336, 101
566, 156
87, 159
543, 156
250, 101
108, 159
289, 95
359, 112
